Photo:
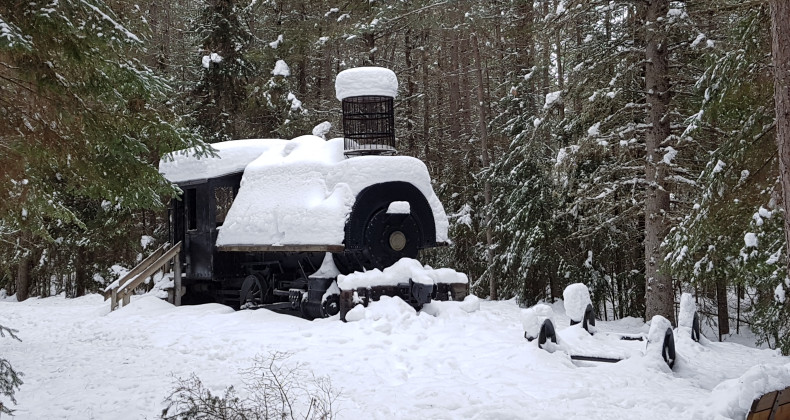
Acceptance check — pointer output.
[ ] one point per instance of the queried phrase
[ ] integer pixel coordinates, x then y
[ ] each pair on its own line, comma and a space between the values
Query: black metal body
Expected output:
211, 275
242, 278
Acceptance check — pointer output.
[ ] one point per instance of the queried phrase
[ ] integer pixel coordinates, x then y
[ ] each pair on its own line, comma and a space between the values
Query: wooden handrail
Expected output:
148, 267
135, 271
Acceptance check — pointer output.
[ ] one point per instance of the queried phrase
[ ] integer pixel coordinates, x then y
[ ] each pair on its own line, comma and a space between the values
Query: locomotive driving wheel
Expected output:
390, 237
255, 291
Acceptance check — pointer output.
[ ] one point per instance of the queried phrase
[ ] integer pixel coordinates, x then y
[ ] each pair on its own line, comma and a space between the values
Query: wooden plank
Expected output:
281, 248
153, 267
782, 412
784, 397
766, 402
763, 415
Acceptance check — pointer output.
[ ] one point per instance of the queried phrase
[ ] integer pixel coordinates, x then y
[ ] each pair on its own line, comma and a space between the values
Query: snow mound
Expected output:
532, 318
655, 339
328, 268
687, 309
451, 309
362, 81
390, 309
576, 297
400, 272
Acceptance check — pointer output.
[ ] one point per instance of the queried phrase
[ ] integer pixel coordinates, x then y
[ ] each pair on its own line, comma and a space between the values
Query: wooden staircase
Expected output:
163, 259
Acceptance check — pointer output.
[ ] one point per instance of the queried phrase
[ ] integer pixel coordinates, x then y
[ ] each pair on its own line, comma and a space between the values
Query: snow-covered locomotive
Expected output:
271, 220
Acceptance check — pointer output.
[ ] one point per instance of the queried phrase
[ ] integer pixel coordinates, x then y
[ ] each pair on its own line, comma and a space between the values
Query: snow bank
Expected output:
392, 313
361, 81
298, 192
576, 297
451, 309
392, 309
400, 272
473, 366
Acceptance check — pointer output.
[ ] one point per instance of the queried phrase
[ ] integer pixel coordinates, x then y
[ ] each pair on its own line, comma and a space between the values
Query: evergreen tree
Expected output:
10, 380
221, 92
84, 120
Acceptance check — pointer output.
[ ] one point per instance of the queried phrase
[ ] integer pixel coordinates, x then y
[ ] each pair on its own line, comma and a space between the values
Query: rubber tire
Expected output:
668, 348
547, 332
695, 327
589, 318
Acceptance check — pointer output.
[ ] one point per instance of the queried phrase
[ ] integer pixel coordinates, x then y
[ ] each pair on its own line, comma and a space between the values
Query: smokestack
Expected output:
367, 95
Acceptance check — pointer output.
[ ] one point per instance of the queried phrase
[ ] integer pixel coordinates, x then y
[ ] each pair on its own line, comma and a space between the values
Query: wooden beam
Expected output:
281, 248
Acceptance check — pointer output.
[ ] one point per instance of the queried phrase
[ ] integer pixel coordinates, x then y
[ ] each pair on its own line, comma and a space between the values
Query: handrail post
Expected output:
114, 299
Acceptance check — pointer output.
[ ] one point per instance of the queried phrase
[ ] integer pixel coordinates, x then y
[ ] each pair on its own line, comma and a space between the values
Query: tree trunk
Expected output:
426, 106
484, 150
80, 273
410, 88
23, 273
659, 293
721, 306
780, 53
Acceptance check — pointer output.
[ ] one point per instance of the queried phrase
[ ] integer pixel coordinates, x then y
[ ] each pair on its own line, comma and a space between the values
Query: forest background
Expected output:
629, 145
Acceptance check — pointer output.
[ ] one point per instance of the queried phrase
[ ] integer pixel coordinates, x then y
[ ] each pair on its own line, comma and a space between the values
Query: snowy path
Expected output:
81, 362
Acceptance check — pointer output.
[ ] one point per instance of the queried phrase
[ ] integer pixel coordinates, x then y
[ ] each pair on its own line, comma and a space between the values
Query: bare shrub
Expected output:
275, 391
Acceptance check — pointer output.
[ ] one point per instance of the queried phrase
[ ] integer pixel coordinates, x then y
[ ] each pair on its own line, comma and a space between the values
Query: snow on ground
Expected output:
467, 360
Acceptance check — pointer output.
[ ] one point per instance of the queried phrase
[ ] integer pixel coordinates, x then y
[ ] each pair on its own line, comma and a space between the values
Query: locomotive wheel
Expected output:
390, 237
348, 262
330, 306
376, 239
255, 291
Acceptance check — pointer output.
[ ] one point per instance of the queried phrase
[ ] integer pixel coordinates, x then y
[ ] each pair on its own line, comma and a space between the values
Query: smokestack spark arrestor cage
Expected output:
367, 95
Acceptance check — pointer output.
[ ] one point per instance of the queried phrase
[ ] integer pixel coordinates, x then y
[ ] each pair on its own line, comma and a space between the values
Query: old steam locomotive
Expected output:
266, 220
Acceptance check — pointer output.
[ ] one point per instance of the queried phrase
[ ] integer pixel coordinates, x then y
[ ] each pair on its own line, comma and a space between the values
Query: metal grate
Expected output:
369, 125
